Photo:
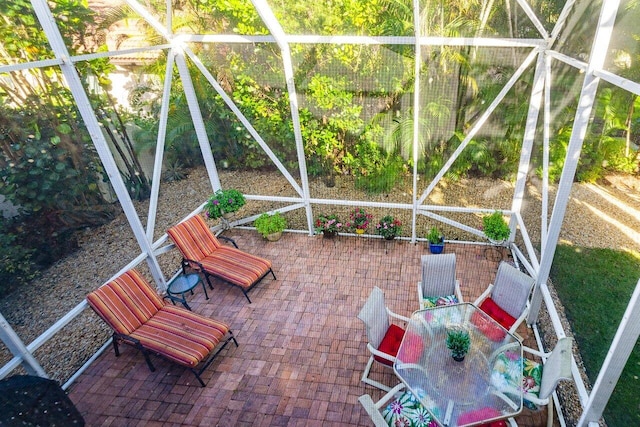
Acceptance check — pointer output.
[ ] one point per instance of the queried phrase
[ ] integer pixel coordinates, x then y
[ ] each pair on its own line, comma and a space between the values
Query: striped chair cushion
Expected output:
236, 266
180, 335
125, 303
194, 239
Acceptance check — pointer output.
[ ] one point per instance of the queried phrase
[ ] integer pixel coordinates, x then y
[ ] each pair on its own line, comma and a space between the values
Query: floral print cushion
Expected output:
407, 411
506, 372
430, 302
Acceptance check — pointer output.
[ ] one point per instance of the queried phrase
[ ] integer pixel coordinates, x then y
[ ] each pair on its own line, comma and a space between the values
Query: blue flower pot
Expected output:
436, 248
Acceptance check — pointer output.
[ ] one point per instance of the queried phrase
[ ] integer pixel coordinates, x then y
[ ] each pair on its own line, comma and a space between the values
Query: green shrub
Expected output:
382, 179
269, 224
16, 265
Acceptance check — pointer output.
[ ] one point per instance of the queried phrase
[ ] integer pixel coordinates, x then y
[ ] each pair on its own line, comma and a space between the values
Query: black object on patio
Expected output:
28, 400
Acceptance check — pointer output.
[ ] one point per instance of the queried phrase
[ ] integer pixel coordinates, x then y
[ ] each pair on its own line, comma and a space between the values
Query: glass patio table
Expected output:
458, 393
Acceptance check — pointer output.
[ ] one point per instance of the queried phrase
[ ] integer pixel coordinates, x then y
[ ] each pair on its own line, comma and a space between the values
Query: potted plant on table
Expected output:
495, 227
436, 241
270, 226
458, 342
359, 220
389, 227
328, 225
224, 202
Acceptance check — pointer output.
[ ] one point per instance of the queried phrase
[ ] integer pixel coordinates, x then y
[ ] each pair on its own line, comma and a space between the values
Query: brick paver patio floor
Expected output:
301, 348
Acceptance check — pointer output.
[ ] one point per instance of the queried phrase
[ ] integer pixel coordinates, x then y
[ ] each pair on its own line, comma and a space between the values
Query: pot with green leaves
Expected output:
436, 241
458, 342
495, 227
270, 226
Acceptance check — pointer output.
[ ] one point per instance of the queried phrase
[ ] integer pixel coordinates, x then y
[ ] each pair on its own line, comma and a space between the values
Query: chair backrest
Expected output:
126, 302
557, 367
193, 238
375, 317
438, 275
511, 289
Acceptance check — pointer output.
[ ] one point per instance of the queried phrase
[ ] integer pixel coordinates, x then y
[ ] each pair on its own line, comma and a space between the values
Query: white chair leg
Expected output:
366, 379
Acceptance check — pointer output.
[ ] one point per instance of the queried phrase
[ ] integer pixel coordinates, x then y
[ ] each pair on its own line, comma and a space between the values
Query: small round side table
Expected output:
184, 283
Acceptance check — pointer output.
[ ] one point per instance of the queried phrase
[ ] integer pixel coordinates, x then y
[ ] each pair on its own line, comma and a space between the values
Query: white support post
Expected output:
243, 119
619, 352
276, 29
544, 222
297, 131
416, 116
478, 125
580, 125
159, 154
196, 116
19, 350
527, 142
533, 17
79, 94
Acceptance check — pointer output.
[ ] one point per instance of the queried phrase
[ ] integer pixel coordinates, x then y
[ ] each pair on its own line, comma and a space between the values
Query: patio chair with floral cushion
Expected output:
506, 301
398, 407
140, 318
438, 285
384, 337
202, 252
539, 378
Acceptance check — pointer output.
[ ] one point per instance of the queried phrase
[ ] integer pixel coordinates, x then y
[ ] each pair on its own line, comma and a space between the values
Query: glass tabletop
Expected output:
183, 283
466, 392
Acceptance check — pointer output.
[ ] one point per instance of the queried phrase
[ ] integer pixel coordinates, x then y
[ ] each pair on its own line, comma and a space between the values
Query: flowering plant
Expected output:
222, 202
325, 223
359, 219
388, 227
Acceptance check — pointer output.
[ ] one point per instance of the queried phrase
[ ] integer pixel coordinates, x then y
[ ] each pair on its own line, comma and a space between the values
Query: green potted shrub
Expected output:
458, 342
495, 227
270, 226
223, 203
436, 241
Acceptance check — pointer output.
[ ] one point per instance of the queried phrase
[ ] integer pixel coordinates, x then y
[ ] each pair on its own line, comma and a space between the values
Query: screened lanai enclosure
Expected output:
105, 104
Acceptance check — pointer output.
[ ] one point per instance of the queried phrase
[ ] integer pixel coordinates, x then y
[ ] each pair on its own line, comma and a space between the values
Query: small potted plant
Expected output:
224, 202
328, 225
389, 227
436, 241
495, 227
270, 226
359, 220
458, 342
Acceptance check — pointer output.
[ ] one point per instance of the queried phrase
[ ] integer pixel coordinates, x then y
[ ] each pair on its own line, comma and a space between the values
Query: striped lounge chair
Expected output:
203, 252
139, 317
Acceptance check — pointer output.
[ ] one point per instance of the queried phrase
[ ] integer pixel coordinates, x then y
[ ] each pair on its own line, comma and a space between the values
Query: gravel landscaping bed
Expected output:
597, 216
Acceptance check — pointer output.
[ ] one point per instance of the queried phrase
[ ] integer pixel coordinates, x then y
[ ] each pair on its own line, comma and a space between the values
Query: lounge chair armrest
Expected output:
420, 296
379, 353
484, 295
459, 292
541, 354
370, 407
397, 316
228, 239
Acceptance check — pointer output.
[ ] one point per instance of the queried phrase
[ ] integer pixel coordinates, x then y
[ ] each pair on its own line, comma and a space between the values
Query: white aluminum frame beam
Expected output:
160, 141
478, 125
416, 116
274, 26
79, 94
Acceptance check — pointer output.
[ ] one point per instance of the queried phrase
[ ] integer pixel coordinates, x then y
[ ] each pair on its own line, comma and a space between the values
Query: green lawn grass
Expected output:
594, 286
